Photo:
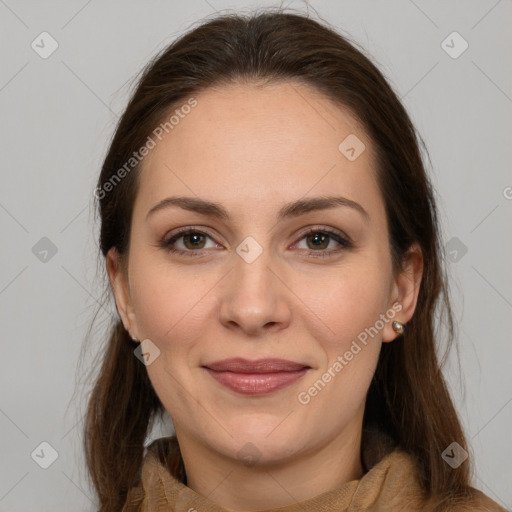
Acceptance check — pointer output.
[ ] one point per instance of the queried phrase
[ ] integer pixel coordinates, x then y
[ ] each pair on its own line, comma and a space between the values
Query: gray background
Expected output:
58, 115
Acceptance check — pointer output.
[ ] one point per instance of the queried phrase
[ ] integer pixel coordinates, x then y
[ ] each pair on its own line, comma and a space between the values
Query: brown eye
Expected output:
193, 241
319, 240
188, 242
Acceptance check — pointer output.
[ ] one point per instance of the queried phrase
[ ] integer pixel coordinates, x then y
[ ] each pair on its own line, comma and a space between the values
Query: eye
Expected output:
191, 242
321, 239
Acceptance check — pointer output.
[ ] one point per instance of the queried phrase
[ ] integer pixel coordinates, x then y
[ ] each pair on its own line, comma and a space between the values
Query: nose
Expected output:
254, 298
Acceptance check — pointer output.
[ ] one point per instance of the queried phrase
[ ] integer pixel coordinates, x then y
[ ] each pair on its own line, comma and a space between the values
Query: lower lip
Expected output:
256, 383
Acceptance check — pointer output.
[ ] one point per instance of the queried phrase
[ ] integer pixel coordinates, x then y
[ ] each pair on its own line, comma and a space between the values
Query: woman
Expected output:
271, 240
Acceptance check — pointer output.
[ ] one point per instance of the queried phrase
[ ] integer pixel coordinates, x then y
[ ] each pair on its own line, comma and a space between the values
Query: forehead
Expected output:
254, 147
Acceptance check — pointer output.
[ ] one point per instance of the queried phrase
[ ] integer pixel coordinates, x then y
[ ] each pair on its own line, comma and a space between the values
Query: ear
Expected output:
118, 277
405, 290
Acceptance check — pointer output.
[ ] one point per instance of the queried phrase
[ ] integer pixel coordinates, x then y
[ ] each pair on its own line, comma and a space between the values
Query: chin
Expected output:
258, 443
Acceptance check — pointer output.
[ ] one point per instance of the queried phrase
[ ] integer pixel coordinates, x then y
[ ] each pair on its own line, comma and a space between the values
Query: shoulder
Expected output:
400, 474
473, 501
478, 501
398, 480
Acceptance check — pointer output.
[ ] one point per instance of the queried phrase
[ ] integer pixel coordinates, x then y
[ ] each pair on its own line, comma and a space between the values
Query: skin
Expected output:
253, 149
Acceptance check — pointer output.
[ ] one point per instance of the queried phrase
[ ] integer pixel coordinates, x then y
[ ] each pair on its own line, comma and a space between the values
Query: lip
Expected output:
241, 365
256, 377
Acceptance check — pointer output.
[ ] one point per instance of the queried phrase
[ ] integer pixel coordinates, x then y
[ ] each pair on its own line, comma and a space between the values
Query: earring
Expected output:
134, 338
398, 327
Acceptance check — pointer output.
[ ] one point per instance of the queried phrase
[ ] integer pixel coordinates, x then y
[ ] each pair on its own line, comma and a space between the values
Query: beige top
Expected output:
390, 483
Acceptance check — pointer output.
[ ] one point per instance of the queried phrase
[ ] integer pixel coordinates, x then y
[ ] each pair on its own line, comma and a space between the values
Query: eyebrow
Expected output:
290, 210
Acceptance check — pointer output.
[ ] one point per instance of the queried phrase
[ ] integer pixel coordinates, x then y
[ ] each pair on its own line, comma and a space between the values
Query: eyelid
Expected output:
324, 229
166, 240
337, 235
185, 230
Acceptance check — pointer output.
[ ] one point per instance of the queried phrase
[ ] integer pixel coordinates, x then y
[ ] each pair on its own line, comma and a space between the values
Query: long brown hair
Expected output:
408, 397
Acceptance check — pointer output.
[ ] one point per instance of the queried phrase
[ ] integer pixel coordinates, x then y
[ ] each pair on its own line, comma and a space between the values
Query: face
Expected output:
256, 278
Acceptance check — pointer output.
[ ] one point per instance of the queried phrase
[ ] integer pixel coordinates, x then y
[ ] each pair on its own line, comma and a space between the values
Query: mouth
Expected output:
256, 377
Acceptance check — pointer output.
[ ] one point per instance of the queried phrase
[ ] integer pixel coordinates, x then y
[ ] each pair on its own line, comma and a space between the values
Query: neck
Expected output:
241, 487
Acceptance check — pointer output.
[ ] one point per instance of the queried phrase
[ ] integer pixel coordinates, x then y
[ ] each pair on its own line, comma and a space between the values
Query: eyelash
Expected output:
166, 243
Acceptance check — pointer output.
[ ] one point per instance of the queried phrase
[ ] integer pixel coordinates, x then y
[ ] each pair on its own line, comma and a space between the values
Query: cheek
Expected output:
174, 311
344, 302
173, 306
349, 306
335, 305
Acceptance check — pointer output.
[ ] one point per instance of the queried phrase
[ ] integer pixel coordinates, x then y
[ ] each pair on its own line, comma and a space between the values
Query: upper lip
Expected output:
240, 365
